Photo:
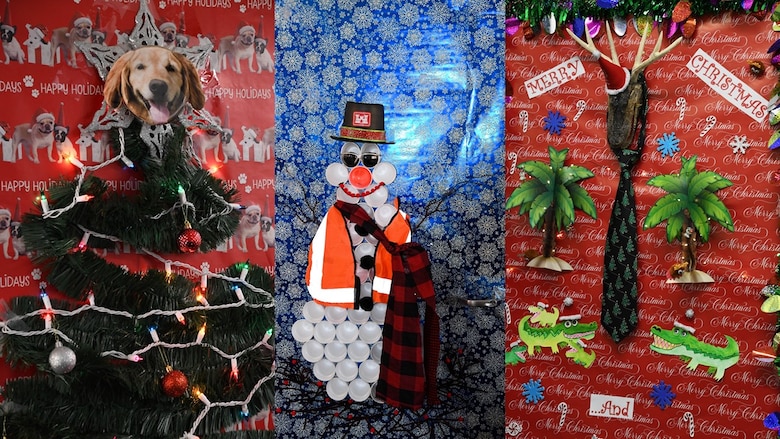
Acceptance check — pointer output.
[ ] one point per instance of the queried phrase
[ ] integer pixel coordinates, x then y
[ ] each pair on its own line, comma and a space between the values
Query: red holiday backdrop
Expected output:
620, 394
38, 75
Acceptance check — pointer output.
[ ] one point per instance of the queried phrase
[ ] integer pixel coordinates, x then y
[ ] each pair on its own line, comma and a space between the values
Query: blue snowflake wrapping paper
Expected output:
438, 68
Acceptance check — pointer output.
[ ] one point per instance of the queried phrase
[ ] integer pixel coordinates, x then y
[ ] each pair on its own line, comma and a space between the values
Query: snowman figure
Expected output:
349, 276
340, 252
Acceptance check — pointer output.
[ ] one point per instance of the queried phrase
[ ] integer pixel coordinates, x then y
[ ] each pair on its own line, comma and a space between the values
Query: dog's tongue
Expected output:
159, 113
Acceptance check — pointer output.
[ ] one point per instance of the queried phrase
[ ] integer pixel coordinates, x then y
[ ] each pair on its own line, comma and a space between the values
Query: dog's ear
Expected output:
193, 91
112, 89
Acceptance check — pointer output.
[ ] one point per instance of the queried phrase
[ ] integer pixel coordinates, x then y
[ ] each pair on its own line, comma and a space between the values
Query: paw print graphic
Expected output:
43, 285
36, 274
35, 93
242, 178
242, 8
205, 266
248, 189
162, 5
28, 81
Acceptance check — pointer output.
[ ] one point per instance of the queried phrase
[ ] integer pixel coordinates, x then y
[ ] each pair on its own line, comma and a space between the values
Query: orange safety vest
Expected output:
330, 275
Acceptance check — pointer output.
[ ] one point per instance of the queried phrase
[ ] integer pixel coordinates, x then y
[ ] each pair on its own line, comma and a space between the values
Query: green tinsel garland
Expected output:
534, 11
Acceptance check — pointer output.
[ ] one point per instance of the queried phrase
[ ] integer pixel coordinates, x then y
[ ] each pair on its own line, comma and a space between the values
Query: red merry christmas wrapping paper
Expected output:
705, 101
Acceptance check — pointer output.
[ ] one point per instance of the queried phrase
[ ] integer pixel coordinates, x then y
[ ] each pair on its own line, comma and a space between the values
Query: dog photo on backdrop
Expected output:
154, 83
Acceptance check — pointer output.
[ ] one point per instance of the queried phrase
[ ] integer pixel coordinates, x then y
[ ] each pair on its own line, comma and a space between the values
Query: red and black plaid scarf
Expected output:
405, 378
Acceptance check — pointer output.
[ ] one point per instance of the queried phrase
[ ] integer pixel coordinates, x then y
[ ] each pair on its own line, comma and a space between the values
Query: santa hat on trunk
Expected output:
41, 114
182, 25
97, 20
617, 76
243, 26
6, 23
260, 35
80, 19
17, 218
60, 116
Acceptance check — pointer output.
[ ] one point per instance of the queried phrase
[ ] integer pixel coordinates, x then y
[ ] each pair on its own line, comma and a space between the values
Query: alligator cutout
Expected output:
567, 332
680, 341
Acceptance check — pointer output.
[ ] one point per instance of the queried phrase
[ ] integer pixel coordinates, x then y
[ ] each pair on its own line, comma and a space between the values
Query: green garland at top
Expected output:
534, 11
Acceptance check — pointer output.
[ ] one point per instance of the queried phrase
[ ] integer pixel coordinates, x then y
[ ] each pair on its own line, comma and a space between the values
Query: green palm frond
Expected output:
574, 173
720, 183
674, 227
538, 208
564, 207
557, 158
537, 169
670, 183
525, 194
666, 207
714, 208
691, 200
688, 168
582, 200
699, 182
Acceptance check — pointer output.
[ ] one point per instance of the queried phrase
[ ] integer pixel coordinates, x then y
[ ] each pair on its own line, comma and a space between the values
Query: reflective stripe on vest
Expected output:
330, 276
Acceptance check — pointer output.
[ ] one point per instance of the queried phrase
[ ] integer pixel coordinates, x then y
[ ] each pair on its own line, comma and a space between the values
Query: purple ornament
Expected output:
578, 27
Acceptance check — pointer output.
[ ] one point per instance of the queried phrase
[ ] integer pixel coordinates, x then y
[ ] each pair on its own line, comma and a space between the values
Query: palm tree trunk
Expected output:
689, 242
548, 245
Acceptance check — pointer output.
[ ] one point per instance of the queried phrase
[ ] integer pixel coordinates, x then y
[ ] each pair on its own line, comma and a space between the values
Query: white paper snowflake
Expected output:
739, 144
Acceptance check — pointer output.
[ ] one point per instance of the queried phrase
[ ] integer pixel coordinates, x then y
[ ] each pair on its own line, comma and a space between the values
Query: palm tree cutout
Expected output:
687, 209
549, 198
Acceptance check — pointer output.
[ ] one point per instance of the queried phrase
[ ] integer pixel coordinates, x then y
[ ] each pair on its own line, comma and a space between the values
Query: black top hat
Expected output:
363, 123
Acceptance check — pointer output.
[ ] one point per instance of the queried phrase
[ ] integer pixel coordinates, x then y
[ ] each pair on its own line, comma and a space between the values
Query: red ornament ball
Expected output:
175, 383
189, 240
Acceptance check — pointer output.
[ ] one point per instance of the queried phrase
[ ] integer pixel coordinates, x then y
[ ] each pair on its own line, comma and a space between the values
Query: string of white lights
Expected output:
193, 269
208, 404
135, 356
77, 197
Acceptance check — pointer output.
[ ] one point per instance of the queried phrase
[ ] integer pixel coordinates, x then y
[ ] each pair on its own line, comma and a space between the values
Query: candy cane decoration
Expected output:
524, 119
688, 416
581, 104
682, 104
710, 123
564, 409
512, 156
507, 314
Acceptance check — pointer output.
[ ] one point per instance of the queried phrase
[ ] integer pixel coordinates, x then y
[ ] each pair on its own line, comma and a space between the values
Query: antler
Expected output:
639, 65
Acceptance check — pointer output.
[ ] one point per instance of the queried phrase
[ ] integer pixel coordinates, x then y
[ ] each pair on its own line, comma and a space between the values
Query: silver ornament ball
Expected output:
62, 359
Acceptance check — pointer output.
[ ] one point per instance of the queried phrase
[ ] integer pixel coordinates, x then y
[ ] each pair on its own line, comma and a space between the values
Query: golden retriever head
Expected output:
154, 83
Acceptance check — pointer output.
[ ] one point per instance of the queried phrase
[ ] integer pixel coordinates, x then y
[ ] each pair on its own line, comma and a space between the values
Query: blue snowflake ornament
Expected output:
772, 421
662, 395
533, 391
554, 122
668, 144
